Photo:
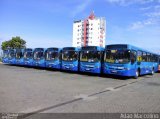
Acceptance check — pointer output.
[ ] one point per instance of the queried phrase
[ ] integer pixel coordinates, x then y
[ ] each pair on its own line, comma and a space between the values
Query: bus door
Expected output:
134, 65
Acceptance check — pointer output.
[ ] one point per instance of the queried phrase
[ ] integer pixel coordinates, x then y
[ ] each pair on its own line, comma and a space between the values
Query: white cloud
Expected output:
153, 14
148, 38
48, 43
141, 24
146, 8
81, 7
136, 25
152, 17
129, 2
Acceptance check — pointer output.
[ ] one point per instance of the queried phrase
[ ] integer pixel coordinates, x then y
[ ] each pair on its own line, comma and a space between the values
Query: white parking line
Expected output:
111, 89
85, 97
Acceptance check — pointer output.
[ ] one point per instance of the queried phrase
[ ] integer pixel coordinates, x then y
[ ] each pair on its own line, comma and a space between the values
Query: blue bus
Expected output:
12, 56
19, 56
28, 57
91, 59
5, 56
70, 58
159, 65
39, 57
53, 58
128, 60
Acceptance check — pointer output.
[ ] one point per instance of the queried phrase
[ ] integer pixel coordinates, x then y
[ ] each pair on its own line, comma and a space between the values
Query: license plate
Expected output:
87, 69
113, 71
67, 67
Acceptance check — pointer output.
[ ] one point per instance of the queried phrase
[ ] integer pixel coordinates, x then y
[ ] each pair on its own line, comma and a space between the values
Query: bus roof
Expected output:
54, 48
127, 46
39, 49
71, 48
92, 48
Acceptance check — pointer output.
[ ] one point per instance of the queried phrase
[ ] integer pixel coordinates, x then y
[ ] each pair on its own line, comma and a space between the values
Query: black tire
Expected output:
137, 74
152, 72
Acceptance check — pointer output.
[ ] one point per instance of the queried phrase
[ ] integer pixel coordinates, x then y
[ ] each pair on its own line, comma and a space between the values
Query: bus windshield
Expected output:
5, 54
11, 54
117, 56
52, 55
69, 55
38, 55
90, 56
18, 55
27, 55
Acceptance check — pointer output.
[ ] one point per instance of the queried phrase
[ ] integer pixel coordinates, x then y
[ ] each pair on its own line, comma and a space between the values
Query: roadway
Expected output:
31, 91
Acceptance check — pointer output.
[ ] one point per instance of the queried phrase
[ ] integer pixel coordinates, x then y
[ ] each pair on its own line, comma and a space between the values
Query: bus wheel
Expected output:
152, 72
137, 74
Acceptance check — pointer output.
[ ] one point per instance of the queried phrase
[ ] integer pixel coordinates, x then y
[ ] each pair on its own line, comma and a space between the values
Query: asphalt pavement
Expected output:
31, 91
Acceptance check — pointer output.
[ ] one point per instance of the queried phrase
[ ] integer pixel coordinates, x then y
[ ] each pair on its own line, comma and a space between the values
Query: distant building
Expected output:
89, 32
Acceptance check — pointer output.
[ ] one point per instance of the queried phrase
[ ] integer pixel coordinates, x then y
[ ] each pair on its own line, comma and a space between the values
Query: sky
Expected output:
49, 23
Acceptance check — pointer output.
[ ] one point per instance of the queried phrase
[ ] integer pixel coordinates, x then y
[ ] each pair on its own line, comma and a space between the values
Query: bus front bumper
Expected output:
120, 72
28, 63
52, 65
69, 67
37, 64
90, 70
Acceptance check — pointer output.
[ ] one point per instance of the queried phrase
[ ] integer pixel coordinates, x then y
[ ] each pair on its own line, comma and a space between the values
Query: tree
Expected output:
15, 42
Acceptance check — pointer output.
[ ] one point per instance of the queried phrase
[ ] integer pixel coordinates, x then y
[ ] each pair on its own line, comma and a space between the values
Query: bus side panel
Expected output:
147, 67
120, 69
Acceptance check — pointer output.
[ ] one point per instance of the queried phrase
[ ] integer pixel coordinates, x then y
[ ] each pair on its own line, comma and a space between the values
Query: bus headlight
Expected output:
126, 68
97, 66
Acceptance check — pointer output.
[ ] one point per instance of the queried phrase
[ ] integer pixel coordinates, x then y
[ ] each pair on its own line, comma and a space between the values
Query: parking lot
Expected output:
32, 90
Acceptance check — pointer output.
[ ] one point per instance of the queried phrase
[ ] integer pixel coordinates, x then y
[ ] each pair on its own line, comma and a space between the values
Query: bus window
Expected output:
139, 56
133, 56
38, 55
70, 55
27, 55
11, 54
19, 55
144, 56
148, 57
117, 56
52, 55
90, 56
